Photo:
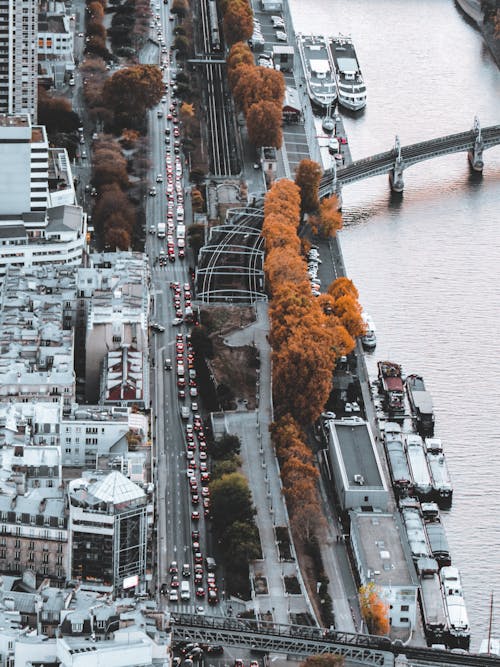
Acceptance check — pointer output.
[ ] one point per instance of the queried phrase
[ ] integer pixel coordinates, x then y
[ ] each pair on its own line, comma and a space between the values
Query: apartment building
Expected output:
18, 57
40, 223
114, 291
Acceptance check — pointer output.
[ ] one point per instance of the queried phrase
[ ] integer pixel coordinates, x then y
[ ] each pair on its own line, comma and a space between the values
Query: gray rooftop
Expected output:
381, 548
355, 441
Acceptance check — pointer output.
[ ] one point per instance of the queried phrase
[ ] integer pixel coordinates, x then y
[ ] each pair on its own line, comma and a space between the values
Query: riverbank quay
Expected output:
472, 9
301, 141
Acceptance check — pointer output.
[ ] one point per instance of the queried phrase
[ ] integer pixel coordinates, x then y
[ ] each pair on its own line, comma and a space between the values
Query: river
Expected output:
427, 265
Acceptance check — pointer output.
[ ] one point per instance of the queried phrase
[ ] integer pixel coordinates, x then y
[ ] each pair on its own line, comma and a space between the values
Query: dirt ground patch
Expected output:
232, 367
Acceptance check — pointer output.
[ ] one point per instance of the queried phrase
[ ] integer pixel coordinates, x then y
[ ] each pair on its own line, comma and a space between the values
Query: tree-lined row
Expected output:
308, 334
233, 514
95, 40
114, 216
258, 93
324, 217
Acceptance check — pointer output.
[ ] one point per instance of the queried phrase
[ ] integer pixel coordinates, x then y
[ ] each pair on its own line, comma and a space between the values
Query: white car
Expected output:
159, 178
173, 596
278, 21
281, 36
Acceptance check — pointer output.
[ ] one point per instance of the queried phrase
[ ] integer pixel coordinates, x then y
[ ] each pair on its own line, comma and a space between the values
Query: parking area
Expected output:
270, 31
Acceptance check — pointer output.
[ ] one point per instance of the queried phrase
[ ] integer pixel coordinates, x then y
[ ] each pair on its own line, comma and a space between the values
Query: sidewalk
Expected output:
261, 469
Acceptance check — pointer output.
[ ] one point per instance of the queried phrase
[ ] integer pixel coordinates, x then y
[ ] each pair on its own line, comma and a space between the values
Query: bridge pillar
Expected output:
396, 174
396, 177
476, 154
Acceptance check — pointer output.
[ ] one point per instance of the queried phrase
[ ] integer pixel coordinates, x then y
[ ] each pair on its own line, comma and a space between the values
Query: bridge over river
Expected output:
395, 161
300, 641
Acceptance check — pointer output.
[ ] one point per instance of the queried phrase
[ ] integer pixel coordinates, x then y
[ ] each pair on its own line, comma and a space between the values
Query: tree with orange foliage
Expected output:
307, 177
284, 198
239, 53
278, 232
264, 124
257, 84
348, 310
330, 218
237, 21
280, 265
285, 432
374, 610
341, 287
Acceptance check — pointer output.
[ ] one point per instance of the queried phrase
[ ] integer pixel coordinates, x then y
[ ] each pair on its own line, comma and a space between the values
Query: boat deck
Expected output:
320, 74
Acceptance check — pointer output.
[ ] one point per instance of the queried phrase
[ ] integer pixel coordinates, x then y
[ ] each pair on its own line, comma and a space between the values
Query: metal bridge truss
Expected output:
401, 157
231, 265
298, 641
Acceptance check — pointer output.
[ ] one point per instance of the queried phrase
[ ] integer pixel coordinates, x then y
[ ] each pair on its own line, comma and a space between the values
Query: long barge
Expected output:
398, 464
442, 489
390, 380
421, 405
350, 83
417, 462
321, 82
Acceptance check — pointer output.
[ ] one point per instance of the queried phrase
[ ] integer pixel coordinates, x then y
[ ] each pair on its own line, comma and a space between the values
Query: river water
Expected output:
427, 265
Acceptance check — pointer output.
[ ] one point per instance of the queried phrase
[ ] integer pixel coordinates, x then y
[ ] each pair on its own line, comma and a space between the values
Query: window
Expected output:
403, 619
17, 555
366, 499
405, 607
3, 554
45, 558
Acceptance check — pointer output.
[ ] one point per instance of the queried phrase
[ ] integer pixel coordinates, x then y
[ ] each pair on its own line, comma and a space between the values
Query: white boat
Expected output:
369, 339
321, 81
350, 82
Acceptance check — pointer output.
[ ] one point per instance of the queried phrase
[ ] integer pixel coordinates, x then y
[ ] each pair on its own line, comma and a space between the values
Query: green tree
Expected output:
226, 446
225, 466
231, 501
241, 541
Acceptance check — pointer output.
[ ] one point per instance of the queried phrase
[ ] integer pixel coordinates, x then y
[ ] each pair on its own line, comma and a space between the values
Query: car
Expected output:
200, 611
239, 663
281, 36
157, 327
205, 492
173, 595
186, 570
177, 321
254, 663
194, 406
198, 578
205, 476
195, 515
277, 21
213, 599
152, 192
192, 464
181, 393
167, 364
195, 499
203, 456
214, 649
193, 392
198, 557
84, 155
193, 483
195, 546
181, 383
173, 569
174, 582
200, 592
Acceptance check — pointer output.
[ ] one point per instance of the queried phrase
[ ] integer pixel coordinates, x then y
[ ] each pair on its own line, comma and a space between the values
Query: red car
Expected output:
200, 592
195, 515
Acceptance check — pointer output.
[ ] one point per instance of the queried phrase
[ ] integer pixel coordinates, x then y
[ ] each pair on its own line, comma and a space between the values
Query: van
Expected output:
184, 412
185, 590
210, 564
180, 370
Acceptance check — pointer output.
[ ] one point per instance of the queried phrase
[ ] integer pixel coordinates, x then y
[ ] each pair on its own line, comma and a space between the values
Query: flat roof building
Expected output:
355, 465
382, 557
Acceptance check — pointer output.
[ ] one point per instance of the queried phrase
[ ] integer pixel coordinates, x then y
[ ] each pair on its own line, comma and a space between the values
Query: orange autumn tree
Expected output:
307, 177
374, 610
330, 218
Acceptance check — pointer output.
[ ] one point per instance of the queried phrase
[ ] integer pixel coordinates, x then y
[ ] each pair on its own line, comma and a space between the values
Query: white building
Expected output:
55, 44
40, 223
382, 557
18, 57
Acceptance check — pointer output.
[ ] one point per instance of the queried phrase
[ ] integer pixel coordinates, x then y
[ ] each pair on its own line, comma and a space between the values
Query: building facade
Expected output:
107, 532
18, 57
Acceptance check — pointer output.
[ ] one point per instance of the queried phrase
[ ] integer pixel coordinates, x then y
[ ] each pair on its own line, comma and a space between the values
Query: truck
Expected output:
161, 230
181, 231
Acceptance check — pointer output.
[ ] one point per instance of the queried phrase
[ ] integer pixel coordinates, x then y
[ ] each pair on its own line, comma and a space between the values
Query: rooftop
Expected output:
10, 120
380, 546
111, 489
355, 441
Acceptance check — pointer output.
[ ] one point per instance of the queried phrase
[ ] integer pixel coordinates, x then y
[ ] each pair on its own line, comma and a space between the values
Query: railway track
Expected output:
220, 135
